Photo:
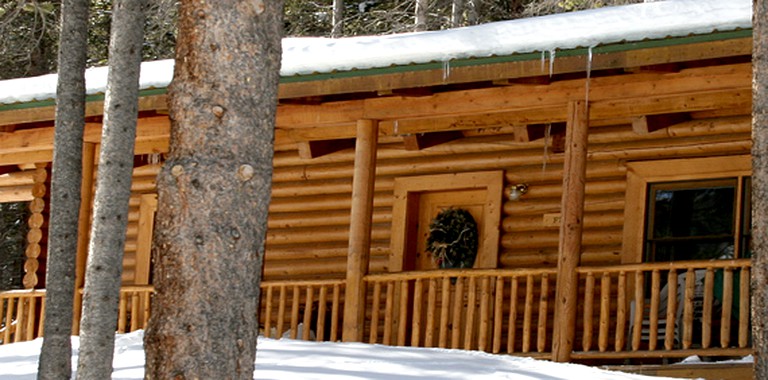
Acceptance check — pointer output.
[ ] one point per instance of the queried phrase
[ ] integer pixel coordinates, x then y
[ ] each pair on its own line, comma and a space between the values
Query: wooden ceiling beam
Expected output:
318, 148
646, 124
533, 132
421, 141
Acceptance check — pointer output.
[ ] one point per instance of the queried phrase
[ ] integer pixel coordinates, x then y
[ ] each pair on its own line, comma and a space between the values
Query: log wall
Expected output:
307, 235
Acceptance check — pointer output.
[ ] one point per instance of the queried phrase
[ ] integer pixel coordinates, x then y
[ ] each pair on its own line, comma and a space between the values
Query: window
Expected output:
687, 209
697, 220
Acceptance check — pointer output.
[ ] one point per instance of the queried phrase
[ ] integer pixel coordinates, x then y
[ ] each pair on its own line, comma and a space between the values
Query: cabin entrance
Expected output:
419, 199
432, 203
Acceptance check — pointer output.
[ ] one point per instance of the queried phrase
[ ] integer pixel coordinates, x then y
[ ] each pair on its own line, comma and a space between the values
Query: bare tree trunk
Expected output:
55, 357
473, 14
760, 188
214, 191
338, 18
457, 9
113, 191
421, 15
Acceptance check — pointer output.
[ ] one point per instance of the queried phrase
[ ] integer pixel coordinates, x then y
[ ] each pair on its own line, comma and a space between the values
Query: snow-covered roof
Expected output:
586, 29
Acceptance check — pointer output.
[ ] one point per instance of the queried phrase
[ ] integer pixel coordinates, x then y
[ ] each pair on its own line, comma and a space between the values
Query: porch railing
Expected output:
489, 310
649, 310
307, 310
665, 309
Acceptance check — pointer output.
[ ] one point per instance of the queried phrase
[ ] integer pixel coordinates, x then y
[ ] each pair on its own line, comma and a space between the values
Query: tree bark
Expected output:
422, 6
214, 191
55, 356
113, 191
760, 188
337, 29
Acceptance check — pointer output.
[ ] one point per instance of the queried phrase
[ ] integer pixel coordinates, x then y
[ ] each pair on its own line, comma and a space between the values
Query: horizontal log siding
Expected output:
143, 183
309, 214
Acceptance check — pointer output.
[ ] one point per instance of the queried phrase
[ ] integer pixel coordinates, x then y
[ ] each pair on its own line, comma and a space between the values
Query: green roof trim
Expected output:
601, 49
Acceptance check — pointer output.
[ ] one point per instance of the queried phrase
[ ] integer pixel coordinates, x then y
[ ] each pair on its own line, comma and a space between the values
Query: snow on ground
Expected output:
294, 359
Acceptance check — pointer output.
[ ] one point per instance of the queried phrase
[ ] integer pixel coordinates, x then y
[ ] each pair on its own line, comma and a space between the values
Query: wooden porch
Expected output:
504, 311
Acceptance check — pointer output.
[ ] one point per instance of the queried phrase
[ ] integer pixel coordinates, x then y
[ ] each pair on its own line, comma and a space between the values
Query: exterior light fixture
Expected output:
517, 191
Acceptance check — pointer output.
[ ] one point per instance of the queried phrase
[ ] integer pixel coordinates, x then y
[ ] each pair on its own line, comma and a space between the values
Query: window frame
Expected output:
642, 173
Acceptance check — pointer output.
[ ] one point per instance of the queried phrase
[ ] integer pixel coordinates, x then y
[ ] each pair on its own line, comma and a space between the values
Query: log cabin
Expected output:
604, 156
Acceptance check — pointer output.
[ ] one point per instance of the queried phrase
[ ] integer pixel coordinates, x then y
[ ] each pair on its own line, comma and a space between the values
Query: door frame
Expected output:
406, 197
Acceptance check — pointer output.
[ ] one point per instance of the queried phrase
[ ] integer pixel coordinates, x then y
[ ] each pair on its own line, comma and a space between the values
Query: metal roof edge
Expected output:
600, 49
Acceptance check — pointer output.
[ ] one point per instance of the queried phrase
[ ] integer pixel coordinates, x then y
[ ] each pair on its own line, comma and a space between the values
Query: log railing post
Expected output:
360, 229
572, 211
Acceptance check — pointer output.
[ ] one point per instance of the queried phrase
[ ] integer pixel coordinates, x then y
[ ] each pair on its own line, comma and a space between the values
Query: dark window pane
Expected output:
693, 212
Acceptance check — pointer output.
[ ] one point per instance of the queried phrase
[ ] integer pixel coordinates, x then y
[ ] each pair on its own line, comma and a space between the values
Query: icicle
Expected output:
395, 128
154, 158
589, 73
446, 70
543, 59
551, 62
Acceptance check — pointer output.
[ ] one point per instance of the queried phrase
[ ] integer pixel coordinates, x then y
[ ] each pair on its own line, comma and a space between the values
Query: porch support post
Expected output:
571, 225
360, 229
83, 224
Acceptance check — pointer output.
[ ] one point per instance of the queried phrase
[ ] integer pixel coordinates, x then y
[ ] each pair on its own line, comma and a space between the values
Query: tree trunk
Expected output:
338, 18
113, 191
457, 11
214, 191
55, 362
421, 15
760, 188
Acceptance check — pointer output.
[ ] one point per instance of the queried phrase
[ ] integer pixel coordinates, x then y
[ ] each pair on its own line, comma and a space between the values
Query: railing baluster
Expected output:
744, 307
706, 316
134, 311
268, 313
122, 314
429, 334
8, 320
471, 303
637, 322
543, 303
445, 304
322, 310
458, 301
281, 311
374, 334
605, 311
310, 293
654, 312
388, 313
402, 328
498, 308
690, 289
417, 305
41, 323
485, 317
589, 304
512, 322
669, 338
528, 313
295, 296
725, 318
621, 312
18, 336
335, 312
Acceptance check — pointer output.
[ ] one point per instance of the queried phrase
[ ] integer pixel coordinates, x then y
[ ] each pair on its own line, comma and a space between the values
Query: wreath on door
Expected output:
452, 239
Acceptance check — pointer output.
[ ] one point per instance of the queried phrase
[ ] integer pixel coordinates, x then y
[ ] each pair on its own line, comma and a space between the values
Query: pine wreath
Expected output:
452, 239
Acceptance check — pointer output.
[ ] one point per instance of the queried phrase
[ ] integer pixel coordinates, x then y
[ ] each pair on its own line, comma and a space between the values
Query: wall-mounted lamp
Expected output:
517, 191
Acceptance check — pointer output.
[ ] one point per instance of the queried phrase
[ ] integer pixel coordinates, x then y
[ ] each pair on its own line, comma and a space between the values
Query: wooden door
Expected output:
430, 204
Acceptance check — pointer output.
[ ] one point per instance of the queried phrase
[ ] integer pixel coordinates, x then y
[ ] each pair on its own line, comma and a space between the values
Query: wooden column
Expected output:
83, 229
571, 225
360, 229
35, 223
